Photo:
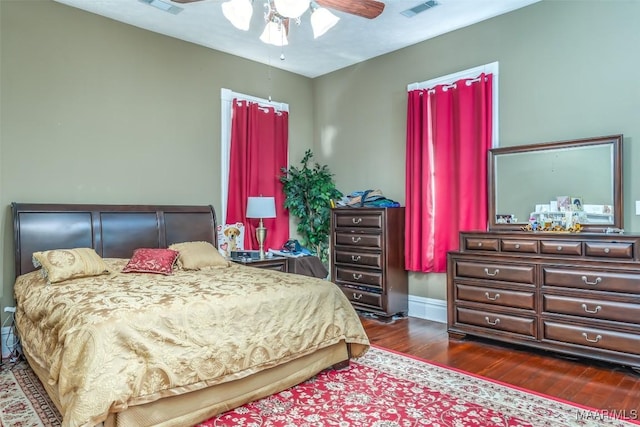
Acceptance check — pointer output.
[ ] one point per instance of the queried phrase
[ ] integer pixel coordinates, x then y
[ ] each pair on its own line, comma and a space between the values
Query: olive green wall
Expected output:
96, 111
568, 70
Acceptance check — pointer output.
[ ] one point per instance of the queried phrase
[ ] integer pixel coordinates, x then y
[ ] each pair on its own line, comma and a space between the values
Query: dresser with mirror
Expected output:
546, 286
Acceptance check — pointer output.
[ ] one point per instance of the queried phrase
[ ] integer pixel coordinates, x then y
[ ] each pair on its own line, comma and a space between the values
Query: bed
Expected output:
141, 349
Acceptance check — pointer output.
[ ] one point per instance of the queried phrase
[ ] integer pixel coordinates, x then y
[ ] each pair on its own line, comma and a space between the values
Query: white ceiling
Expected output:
352, 40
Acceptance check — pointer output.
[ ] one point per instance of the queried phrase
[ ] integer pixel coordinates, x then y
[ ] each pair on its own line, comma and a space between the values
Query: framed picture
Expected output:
576, 204
504, 218
564, 203
230, 238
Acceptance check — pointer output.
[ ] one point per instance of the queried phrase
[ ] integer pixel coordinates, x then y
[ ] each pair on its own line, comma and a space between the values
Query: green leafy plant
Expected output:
309, 191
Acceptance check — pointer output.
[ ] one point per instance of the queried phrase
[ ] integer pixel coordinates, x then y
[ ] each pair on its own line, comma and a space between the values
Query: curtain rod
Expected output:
229, 95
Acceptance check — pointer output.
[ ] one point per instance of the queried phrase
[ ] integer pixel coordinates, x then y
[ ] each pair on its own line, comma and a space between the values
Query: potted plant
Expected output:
309, 191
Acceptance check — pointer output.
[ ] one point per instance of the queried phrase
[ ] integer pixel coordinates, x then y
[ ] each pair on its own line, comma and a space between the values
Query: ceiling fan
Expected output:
369, 9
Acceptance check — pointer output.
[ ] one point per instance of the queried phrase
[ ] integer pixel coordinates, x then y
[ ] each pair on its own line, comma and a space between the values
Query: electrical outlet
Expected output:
637, 207
9, 309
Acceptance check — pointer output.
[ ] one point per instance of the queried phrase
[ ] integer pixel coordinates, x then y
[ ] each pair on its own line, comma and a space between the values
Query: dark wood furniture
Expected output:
114, 231
522, 176
275, 263
576, 294
367, 259
307, 265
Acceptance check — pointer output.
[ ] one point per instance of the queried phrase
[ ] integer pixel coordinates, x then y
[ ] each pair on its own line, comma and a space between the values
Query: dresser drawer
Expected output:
491, 271
597, 309
480, 244
364, 220
588, 279
525, 246
501, 297
503, 322
358, 239
558, 247
358, 258
358, 296
592, 337
622, 250
359, 277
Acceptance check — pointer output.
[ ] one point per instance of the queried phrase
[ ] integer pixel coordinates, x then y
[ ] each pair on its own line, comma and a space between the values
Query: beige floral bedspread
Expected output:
123, 339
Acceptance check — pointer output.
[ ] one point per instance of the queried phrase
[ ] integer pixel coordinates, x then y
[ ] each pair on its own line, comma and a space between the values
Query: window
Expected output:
451, 125
254, 150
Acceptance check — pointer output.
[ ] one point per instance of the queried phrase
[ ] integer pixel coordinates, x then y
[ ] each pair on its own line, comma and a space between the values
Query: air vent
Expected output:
410, 13
158, 4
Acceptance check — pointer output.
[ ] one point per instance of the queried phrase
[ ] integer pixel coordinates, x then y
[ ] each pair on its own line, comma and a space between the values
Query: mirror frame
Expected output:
616, 143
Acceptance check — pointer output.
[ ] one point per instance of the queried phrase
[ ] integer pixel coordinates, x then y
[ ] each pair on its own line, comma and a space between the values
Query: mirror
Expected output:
579, 180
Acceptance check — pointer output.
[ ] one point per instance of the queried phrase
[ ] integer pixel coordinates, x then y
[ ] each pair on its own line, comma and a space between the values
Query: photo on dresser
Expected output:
576, 204
505, 219
564, 203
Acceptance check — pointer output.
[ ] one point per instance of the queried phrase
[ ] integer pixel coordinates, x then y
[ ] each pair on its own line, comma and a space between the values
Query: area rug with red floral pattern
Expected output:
381, 389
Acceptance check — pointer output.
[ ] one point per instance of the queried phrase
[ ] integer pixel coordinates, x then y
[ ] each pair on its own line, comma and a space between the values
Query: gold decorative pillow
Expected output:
63, 264
197, 255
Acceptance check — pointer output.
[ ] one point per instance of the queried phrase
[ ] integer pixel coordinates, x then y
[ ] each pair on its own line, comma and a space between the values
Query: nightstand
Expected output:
274, 263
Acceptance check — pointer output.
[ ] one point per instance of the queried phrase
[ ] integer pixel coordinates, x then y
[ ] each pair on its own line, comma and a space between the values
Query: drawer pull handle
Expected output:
607, 250
355, 239
355, 258
597, 309
595, 282
490, 298
559, 248
495, 272
357, 296
517, 245
357, 276
596, 339
480, 244
356, 220
495, 322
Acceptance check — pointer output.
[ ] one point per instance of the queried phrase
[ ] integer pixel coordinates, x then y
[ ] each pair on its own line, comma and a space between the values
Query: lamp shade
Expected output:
275, 34
261, 207
322, 20
291, 8
238, 12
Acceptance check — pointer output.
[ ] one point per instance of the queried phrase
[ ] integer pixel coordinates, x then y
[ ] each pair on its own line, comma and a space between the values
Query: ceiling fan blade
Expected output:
366, 8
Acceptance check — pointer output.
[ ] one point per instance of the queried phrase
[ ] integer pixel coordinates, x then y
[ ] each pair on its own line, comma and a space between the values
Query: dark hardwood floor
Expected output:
594, 384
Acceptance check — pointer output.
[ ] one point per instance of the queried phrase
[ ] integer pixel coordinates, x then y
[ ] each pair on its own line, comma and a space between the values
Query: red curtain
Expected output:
449, 130
259, 147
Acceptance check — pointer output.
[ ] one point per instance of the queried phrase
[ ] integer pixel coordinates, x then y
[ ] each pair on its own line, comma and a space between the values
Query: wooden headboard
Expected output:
114, 231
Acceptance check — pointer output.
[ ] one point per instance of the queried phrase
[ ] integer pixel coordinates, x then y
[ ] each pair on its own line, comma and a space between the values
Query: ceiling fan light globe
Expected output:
274, 34
291, 8
322, 20
238, 12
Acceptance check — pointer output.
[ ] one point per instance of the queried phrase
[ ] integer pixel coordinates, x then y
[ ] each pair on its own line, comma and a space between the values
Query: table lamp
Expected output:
261, 207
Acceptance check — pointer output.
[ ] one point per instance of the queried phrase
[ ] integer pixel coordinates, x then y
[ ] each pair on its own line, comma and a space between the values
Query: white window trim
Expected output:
226, 99
491, 68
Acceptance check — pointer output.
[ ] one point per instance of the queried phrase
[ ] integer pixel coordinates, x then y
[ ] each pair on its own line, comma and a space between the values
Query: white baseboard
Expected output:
428, 308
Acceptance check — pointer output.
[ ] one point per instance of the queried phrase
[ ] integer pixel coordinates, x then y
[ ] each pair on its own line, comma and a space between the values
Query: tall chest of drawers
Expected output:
367, 258
576, 294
